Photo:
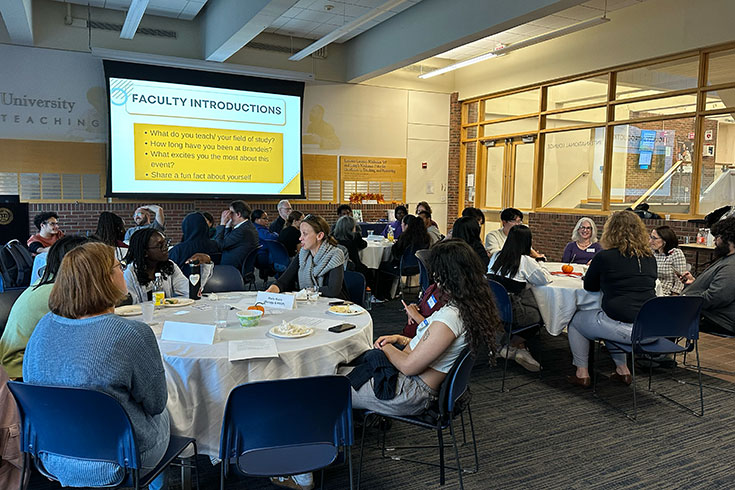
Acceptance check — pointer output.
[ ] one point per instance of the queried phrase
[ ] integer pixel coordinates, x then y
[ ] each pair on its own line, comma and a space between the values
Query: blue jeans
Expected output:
595, 324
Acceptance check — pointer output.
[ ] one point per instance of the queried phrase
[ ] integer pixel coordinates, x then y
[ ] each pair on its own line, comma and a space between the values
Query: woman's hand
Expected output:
390, 340
273, 289
413, 312
201, 257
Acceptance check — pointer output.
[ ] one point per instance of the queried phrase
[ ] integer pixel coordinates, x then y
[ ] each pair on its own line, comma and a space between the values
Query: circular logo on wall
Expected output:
6, 216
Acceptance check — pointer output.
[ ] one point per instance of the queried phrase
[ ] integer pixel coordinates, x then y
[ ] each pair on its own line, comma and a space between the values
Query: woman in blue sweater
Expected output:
82, 343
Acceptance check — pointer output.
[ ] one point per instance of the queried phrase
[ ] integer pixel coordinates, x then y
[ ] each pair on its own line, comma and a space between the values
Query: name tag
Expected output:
276, 300
431, 301
591, 250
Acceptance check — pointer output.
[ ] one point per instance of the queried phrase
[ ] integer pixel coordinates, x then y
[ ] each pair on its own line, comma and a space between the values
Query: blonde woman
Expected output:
584, 245
625, 272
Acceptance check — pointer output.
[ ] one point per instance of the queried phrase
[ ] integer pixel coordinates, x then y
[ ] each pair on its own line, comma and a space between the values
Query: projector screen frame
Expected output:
194, 77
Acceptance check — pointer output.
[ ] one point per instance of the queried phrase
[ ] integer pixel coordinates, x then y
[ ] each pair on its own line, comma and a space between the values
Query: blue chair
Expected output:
658, 321
224, 278
355, 285
287, 426
85, 424
452, 402
248, 268
423, 256
505, 311
278, 255
408, 267
377, 228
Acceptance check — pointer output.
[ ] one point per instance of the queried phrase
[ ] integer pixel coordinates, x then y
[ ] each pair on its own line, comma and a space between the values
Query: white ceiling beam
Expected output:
18, 20
433, 27
228, 25
132, 20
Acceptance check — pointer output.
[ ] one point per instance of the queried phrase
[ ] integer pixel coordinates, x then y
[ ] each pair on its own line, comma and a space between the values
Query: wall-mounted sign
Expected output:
708, 135
708, 150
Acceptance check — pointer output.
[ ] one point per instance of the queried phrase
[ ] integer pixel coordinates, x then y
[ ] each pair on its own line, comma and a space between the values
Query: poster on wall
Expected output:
372, 178
320, 178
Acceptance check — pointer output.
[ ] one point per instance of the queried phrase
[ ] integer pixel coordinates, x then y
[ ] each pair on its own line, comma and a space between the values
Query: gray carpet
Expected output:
548, 434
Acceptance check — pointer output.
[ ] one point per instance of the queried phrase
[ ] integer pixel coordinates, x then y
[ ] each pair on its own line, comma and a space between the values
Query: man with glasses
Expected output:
48, 233
284, 209
716, 285
495, 240
149, 216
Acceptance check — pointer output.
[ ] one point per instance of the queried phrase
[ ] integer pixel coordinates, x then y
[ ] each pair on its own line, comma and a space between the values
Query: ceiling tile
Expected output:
553, 22
579, 13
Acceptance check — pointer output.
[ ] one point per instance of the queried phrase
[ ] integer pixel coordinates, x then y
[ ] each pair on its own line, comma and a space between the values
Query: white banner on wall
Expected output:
51, 95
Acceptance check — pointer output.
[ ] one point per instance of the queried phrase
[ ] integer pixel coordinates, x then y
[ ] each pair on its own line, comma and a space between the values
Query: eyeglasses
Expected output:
585, 228
121, 264
655, 237
164, 244
51, 223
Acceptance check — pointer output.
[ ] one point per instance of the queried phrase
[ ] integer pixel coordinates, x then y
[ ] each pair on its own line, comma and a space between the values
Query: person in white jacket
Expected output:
514, 268
147, 255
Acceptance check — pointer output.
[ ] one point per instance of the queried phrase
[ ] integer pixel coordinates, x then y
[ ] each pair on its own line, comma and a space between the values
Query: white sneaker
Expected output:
503, 353
525, 359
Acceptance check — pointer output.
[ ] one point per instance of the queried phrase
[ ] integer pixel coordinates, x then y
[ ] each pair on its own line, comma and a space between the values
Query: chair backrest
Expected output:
355, 285
74, 422
7, 300
668, 316
455, 384
248, 266
224, 278
377, 228
502, 302
409, 263
278, 254
287, 413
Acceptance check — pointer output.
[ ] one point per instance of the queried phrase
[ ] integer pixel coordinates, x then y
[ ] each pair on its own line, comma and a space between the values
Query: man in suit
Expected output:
236, 235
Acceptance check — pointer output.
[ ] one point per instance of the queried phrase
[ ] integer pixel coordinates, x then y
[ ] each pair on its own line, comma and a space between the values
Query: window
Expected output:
718, 162
719, 68
512, 105
577, 93
652, 162
658, 78
525, 125
576, 118
572, 176
719, 99
656, 107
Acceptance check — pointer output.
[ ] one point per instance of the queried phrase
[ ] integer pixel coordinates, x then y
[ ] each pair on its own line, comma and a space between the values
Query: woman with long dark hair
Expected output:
467, 229
468, 319
414, 237
514, 268
147, 255
111, 230
625, 272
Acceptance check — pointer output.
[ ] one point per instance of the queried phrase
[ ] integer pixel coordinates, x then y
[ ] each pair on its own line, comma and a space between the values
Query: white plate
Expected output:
181, 302
129, 310
354, 310
274, 332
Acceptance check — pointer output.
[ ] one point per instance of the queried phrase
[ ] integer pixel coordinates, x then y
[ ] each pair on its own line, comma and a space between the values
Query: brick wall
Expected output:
82, 217
552, 232
455, 134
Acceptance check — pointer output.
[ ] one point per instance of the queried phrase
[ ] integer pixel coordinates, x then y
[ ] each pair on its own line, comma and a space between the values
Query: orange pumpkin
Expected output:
566, 268
257, 306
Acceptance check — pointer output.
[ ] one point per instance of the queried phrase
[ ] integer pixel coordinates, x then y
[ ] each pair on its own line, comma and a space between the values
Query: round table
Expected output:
376, 252
200, 377
559, 300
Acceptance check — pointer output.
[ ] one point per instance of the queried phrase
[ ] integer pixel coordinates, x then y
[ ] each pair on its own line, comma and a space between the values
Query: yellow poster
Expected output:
373, 178
206, 154
320, 177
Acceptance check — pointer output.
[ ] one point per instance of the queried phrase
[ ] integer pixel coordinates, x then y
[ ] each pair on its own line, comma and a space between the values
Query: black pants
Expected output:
708, 326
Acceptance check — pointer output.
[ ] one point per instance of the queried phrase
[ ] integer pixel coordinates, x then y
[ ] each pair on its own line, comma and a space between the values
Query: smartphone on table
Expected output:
341, 328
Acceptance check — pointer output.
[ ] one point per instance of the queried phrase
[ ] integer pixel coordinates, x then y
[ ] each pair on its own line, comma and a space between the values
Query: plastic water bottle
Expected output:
390, 234
158, 293
368, 299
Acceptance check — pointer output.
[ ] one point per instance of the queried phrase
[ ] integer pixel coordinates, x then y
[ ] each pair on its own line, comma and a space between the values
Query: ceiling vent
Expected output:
146, 31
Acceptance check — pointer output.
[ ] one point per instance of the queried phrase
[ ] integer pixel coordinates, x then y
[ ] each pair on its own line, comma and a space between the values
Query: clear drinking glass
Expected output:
147, 308
221, 311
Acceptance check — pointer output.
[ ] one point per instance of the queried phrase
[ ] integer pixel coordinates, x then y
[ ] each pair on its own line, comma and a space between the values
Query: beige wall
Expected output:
652, 29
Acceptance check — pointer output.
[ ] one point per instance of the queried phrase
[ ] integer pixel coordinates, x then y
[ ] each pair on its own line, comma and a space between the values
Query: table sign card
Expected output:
195, 333
276, 300
251, 349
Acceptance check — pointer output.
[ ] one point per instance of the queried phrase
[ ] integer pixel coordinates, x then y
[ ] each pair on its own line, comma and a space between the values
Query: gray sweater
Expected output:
716, 286
117, 356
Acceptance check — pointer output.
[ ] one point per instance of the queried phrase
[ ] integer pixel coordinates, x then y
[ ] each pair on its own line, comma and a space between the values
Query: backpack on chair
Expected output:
16, 265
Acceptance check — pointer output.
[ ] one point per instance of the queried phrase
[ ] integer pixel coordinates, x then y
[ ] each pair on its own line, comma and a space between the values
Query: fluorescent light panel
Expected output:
132, 20
515, 46
347, 28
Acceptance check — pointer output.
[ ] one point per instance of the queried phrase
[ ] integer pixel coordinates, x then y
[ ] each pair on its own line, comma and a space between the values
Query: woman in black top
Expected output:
414, 237
344, 232
625, 272
289, 235
468, 230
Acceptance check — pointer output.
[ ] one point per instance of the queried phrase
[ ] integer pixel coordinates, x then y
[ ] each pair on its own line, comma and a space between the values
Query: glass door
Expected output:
507, 177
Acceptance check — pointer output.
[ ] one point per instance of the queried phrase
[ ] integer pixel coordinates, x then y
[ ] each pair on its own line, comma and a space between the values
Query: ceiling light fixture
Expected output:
132, 20
520, 44
345, 29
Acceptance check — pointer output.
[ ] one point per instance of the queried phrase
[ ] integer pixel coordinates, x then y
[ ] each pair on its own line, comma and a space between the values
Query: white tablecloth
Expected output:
559, 300
200, 377
375, 253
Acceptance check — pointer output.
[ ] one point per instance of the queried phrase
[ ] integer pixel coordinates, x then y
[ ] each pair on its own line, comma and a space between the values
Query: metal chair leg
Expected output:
456, 454
441, 456
362, 449
348, 451
635, 399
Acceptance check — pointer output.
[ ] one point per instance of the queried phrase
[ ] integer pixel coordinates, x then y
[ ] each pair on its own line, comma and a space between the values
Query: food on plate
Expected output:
171, 301
340, 309
291, 330
566, 268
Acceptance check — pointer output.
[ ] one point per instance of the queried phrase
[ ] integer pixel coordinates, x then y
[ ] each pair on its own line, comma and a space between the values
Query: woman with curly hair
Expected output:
147, 255
468, 319
625, 272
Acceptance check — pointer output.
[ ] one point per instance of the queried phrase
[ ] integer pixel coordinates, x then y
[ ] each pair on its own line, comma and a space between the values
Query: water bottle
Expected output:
390, 234
368, 299
158, 294
195, 281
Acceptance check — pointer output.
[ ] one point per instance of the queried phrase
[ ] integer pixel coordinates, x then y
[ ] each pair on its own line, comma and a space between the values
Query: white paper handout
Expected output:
251, 349
195, 333
320, 323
